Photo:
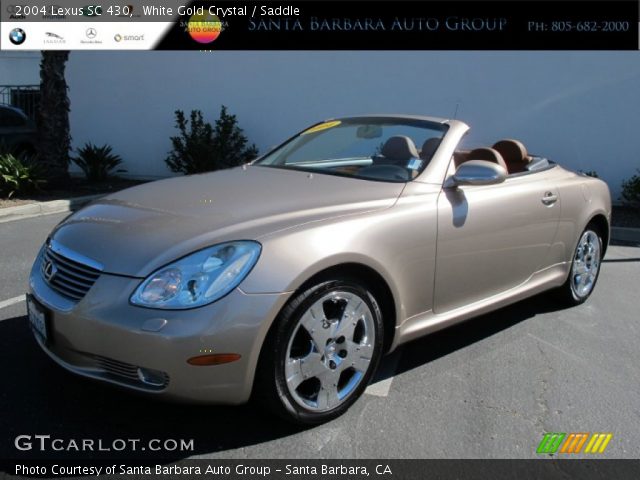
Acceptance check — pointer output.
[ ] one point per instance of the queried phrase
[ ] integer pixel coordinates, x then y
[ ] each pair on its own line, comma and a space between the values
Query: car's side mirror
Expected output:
478, 172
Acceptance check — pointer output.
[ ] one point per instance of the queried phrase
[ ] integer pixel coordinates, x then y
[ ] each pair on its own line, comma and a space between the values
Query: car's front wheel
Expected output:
585, 268
322, 352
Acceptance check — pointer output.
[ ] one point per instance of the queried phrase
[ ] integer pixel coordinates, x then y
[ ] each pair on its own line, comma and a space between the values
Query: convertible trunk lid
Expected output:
138, 230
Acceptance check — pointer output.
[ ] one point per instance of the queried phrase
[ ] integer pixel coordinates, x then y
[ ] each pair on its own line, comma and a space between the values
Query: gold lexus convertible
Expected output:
287, 280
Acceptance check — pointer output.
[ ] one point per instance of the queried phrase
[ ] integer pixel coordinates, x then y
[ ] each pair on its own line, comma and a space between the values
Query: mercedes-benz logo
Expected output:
49, 271
91, 33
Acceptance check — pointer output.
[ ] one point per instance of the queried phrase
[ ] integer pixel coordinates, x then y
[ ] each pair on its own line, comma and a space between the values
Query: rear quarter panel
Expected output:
582, 198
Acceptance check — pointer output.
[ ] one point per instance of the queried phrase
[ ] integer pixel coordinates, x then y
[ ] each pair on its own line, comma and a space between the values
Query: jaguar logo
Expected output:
49, 271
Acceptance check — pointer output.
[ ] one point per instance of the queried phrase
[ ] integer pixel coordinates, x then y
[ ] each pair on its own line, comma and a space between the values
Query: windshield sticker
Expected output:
322, 126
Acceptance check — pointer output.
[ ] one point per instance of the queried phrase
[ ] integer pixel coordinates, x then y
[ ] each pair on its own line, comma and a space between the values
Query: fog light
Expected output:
154, 378
215, 359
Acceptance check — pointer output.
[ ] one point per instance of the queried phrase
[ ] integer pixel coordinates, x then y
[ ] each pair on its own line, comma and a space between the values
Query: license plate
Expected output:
37, 319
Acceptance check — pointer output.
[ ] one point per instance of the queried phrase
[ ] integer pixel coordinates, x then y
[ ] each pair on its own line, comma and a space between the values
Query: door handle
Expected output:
549, 198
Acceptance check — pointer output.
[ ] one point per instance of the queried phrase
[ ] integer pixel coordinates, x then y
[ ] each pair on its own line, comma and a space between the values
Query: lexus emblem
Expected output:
49, 270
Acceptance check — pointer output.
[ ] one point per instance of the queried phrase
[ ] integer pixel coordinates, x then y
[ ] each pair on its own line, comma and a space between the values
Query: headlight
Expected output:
200, 278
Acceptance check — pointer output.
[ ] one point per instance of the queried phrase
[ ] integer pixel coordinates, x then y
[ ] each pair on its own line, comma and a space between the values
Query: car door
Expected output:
492, 238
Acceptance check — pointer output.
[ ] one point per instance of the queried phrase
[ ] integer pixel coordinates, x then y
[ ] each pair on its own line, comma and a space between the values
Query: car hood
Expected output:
135, 231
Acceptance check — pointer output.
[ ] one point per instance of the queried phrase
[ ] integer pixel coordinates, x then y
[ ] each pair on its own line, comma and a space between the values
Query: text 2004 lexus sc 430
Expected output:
288, 279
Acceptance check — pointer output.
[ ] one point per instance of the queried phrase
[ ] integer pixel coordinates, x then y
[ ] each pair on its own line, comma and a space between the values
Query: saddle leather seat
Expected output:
487, 154
514, 155
429, 147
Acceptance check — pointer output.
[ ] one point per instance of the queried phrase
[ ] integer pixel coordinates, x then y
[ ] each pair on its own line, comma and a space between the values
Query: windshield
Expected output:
384, 149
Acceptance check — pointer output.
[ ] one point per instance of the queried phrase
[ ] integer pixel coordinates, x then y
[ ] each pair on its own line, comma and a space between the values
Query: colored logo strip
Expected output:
572, 443
598, 443
550, 442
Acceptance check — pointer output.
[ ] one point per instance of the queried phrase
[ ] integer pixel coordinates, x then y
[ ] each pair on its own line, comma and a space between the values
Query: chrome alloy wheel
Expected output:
586, 264
330, 351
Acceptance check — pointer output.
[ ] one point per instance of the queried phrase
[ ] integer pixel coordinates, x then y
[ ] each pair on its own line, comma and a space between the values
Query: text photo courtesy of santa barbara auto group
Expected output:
319, 240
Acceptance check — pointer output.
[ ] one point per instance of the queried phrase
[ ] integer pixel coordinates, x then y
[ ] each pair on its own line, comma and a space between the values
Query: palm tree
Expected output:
54, 139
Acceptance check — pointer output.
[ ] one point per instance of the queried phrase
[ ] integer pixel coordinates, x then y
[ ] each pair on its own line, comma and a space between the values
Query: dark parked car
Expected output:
17, 131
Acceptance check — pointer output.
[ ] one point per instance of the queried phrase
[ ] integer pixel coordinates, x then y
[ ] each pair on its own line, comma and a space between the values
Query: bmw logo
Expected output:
17, 36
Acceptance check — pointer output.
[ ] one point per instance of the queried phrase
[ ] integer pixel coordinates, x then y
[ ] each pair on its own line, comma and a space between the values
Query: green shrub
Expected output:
201, 147
631, 190
96, 162
590, 173
19, 175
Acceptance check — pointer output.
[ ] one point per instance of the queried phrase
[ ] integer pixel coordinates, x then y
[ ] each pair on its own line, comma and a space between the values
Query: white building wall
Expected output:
578, 108
19, 68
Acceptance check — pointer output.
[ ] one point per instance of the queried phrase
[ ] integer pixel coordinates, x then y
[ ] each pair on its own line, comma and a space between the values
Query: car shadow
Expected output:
42, 398
444, 342
39, 397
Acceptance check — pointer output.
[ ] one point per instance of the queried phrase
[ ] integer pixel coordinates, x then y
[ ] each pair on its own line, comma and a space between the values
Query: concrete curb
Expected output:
37, 209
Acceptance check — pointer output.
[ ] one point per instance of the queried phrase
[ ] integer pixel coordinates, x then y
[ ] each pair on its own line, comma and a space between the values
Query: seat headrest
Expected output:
429, 147
512, 151
399, 149
487, 154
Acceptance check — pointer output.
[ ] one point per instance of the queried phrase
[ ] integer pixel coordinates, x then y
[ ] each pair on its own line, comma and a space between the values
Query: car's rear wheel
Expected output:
322, 352
585, 268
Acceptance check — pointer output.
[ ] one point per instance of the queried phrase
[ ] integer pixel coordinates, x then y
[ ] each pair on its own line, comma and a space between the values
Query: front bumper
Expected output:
106, 338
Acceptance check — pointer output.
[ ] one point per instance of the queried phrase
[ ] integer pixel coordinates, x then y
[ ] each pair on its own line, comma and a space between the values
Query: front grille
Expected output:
68, 277
125, 371
132, 374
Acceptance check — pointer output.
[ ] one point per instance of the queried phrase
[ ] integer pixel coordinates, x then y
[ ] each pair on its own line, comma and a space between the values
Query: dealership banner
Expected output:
327, 469
318, 25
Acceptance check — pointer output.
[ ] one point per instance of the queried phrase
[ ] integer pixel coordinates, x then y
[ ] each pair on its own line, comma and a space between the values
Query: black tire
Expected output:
570, 294
271, 388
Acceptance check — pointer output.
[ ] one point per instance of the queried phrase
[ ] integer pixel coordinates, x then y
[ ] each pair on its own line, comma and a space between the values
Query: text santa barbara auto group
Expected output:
240, 469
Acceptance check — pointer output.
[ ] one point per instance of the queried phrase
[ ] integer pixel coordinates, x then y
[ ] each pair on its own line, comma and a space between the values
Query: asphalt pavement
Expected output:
489, 388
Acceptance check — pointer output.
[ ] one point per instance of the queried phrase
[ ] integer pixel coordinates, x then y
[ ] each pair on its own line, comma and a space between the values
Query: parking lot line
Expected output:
11, 301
